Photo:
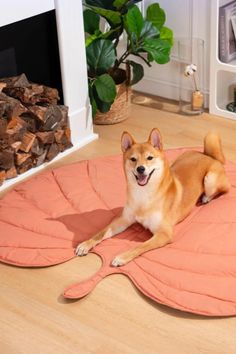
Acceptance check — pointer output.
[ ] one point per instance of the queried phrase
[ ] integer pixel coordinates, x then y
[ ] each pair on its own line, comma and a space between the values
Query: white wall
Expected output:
187, 18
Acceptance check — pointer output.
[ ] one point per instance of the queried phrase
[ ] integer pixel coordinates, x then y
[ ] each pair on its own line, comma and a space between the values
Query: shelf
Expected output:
226, 114
222, 75
226, 82
226, 66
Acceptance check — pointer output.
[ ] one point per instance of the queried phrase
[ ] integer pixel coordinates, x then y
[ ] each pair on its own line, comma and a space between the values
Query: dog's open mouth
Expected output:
143, 179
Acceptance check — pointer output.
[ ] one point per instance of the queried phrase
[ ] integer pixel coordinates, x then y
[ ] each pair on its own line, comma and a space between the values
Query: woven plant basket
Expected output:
119, 110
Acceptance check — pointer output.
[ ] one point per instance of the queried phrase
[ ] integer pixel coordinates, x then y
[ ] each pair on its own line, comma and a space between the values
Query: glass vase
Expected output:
191, 66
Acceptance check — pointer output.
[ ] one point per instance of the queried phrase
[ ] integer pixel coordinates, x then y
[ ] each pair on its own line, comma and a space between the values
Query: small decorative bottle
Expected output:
197, 100
197, 95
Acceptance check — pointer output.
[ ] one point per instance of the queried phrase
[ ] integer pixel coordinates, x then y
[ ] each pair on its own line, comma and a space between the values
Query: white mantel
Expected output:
73, 65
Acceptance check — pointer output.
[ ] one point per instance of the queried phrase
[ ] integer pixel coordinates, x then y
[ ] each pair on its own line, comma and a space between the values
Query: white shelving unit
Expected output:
222, 75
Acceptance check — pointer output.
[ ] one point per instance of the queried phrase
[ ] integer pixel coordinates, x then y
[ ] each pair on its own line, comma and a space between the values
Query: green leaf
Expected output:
99, 35
156, 15
106, 88
167, 34
100, 55
137, 72
93, 37
133, 21
112, 33
133, 43
158, 49
124, 5
113, 17
119, 3
104, 4
149, 31
101, 106
150, 57
91, 21
130, 3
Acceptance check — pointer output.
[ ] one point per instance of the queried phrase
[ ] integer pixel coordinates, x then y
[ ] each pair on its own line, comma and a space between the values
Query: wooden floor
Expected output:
115, 317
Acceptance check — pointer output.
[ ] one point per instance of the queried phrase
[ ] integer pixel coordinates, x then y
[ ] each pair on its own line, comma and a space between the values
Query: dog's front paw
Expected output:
205, 199
83, 248
119, 261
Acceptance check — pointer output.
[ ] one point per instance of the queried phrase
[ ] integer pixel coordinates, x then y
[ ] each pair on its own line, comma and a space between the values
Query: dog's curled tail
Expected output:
213, 147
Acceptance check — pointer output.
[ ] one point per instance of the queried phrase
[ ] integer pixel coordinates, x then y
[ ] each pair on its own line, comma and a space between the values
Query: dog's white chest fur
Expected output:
141, 211
151, 221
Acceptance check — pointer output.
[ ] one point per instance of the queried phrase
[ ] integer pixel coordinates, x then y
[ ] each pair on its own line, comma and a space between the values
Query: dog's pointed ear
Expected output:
126, 141
155, 139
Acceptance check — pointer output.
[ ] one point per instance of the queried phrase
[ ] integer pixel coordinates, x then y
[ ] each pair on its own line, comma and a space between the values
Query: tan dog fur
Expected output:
162, 195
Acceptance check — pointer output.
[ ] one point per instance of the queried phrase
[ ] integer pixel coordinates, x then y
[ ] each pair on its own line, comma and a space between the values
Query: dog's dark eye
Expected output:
133, 159
150, 157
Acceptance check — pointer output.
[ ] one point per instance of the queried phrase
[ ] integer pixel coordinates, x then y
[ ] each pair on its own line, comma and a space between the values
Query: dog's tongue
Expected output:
142, 180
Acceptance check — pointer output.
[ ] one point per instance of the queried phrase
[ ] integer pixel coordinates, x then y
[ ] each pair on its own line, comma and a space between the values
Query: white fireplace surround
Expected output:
69, 16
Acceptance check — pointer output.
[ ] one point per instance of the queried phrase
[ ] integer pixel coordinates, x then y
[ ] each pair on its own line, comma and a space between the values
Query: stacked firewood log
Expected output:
33, 127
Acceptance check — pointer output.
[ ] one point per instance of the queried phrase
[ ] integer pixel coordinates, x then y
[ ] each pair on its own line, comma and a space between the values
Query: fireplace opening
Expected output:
30, 46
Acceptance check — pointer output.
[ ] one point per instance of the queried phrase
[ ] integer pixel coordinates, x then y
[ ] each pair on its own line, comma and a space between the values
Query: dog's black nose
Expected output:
140, 169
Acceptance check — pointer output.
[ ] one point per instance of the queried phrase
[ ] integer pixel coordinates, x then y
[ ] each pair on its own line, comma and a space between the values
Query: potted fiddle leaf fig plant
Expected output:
111, 72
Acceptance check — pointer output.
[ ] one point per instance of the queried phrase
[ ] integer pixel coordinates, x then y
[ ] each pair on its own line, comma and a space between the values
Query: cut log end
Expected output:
33, 127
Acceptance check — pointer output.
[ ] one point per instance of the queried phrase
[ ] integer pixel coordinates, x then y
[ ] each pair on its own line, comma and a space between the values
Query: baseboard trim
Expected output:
165, 89
81, 124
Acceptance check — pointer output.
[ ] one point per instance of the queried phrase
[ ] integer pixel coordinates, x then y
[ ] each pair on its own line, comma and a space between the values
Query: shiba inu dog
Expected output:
160, 195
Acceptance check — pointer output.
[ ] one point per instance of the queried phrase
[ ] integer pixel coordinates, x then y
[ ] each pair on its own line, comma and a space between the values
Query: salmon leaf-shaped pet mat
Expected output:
43, 219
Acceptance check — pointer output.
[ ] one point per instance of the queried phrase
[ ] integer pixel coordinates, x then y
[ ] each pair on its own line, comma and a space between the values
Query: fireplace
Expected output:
30, 46
66, 71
